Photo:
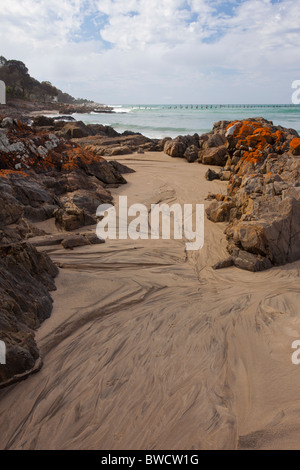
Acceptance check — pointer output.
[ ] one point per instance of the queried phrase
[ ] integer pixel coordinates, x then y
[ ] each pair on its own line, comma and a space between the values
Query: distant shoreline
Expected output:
155, 121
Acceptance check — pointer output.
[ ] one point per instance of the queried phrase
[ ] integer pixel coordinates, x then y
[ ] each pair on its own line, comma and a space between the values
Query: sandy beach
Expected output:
148, 347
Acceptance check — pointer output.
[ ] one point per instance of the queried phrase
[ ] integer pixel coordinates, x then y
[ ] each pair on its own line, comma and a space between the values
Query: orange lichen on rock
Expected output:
256, 139
77, 156
232, 124
24, 148
39, 151
295, 142
6, 173
295, 146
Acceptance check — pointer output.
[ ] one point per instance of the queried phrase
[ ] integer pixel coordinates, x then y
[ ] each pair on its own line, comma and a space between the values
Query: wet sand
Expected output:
149, 348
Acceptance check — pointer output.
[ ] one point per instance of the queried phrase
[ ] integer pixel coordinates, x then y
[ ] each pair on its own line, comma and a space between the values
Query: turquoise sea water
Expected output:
158, 121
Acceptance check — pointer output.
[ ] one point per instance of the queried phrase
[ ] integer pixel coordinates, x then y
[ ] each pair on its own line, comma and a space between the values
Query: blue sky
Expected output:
158, 51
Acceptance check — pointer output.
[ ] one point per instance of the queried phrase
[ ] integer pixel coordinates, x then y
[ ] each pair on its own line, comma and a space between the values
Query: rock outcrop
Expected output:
208, 148
100, 139
183, 147
24, 148
42, 176
26, 277
122, 144
84, 108
262, 205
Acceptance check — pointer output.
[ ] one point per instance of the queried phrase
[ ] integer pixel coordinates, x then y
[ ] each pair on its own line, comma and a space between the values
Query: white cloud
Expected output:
173, 50
139, 24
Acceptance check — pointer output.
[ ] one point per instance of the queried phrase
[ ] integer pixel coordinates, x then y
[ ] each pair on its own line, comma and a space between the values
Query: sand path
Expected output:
149, 348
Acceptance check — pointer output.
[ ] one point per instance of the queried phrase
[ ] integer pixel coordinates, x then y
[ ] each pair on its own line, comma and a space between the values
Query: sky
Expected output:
158, 51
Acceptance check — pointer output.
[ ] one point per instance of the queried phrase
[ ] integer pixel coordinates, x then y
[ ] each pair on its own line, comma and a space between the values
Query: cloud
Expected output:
134, 51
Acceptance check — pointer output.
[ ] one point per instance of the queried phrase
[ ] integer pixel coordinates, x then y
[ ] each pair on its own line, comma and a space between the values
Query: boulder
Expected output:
73, 218
100, 129
191, 153
123, 169
226, 263
82, 239
220, 211
178, 146
213, 156
250, 262
43, 121
175, 149
213, 141
74, 241
74, 130
26, 277
81, 199
93, 238
211, 175
104, 171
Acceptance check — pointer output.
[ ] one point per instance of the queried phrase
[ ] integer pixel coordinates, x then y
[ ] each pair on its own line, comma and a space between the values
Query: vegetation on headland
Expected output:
19, 84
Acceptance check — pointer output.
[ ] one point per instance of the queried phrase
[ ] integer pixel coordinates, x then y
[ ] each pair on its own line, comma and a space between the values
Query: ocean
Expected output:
158, 121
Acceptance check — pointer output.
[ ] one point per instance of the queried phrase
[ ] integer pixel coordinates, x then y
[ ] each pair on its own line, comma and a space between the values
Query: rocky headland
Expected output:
25, 110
